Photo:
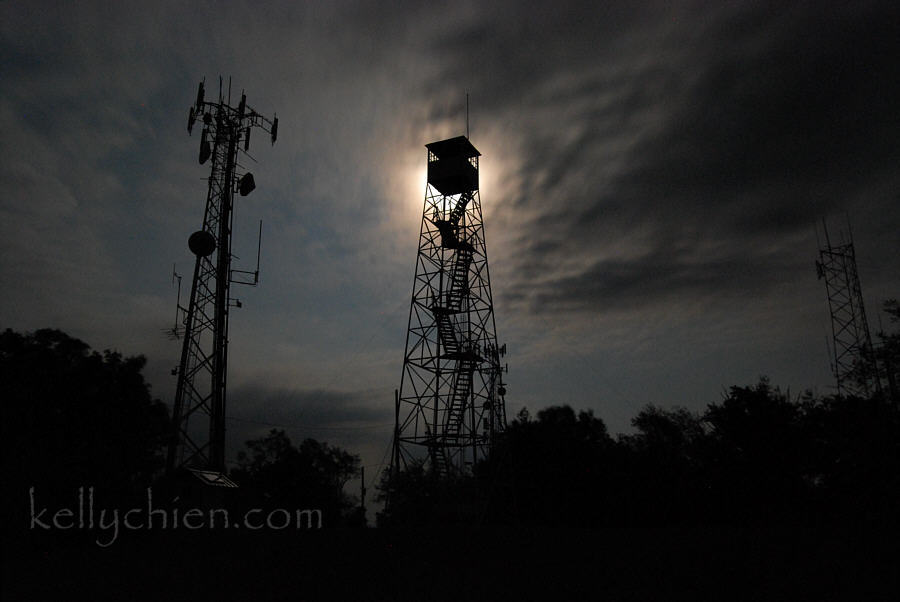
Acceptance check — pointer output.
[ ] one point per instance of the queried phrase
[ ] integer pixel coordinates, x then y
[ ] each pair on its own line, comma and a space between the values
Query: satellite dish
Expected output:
202, 243
247, 184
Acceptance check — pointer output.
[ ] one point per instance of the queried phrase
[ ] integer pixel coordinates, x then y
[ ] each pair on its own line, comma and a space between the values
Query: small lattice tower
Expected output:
855, 368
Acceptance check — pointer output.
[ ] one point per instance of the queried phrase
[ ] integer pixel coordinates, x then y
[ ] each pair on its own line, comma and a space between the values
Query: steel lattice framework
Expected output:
450, 405
202, 371
855, 368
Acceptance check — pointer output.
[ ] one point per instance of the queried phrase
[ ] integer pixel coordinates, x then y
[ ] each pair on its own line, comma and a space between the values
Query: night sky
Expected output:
650, 178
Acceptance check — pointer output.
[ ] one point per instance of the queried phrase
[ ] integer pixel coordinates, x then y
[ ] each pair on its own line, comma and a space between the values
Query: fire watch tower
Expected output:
450, 405
198, 417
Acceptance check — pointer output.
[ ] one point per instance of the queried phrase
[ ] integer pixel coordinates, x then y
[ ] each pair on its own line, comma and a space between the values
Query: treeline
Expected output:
756, 457
73, 419
273, 472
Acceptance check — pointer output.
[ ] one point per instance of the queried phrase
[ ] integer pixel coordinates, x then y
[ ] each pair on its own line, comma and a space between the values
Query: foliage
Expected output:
756, 457
309, 475
74, 417
408, 496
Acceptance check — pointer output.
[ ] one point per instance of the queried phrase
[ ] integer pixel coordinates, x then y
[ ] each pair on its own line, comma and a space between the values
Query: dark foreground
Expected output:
458, 564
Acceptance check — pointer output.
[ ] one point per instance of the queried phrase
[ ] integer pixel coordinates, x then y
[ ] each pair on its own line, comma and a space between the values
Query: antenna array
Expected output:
202, 371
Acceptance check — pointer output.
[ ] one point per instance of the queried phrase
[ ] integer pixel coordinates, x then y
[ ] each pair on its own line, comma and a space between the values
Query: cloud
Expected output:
357, 421
308, 408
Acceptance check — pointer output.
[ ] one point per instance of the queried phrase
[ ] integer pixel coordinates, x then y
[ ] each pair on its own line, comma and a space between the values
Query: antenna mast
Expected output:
202, 371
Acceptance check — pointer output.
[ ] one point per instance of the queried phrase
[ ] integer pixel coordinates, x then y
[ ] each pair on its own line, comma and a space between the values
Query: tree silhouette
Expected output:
853, 458
752, 454
559, 463
547, 469
310, 475
409, 496
72, 417
658, 467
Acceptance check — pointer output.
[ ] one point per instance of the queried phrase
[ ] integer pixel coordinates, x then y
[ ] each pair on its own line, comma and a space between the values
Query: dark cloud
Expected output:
658, 278
787, 98
743, 126
357, 421
309, 408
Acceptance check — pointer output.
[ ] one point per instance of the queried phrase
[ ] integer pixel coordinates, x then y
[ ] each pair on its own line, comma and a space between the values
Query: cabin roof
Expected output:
453, 147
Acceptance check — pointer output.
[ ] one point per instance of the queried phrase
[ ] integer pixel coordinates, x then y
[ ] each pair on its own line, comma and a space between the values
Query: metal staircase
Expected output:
462, 386
440, 461
452, 340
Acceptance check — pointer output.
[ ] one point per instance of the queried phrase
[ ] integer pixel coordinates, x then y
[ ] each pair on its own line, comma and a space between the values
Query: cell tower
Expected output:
450, 405
855, 368
198, 417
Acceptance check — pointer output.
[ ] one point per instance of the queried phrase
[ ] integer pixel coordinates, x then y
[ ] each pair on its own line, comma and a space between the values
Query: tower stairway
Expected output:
441, 463
462, 387
453, 342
